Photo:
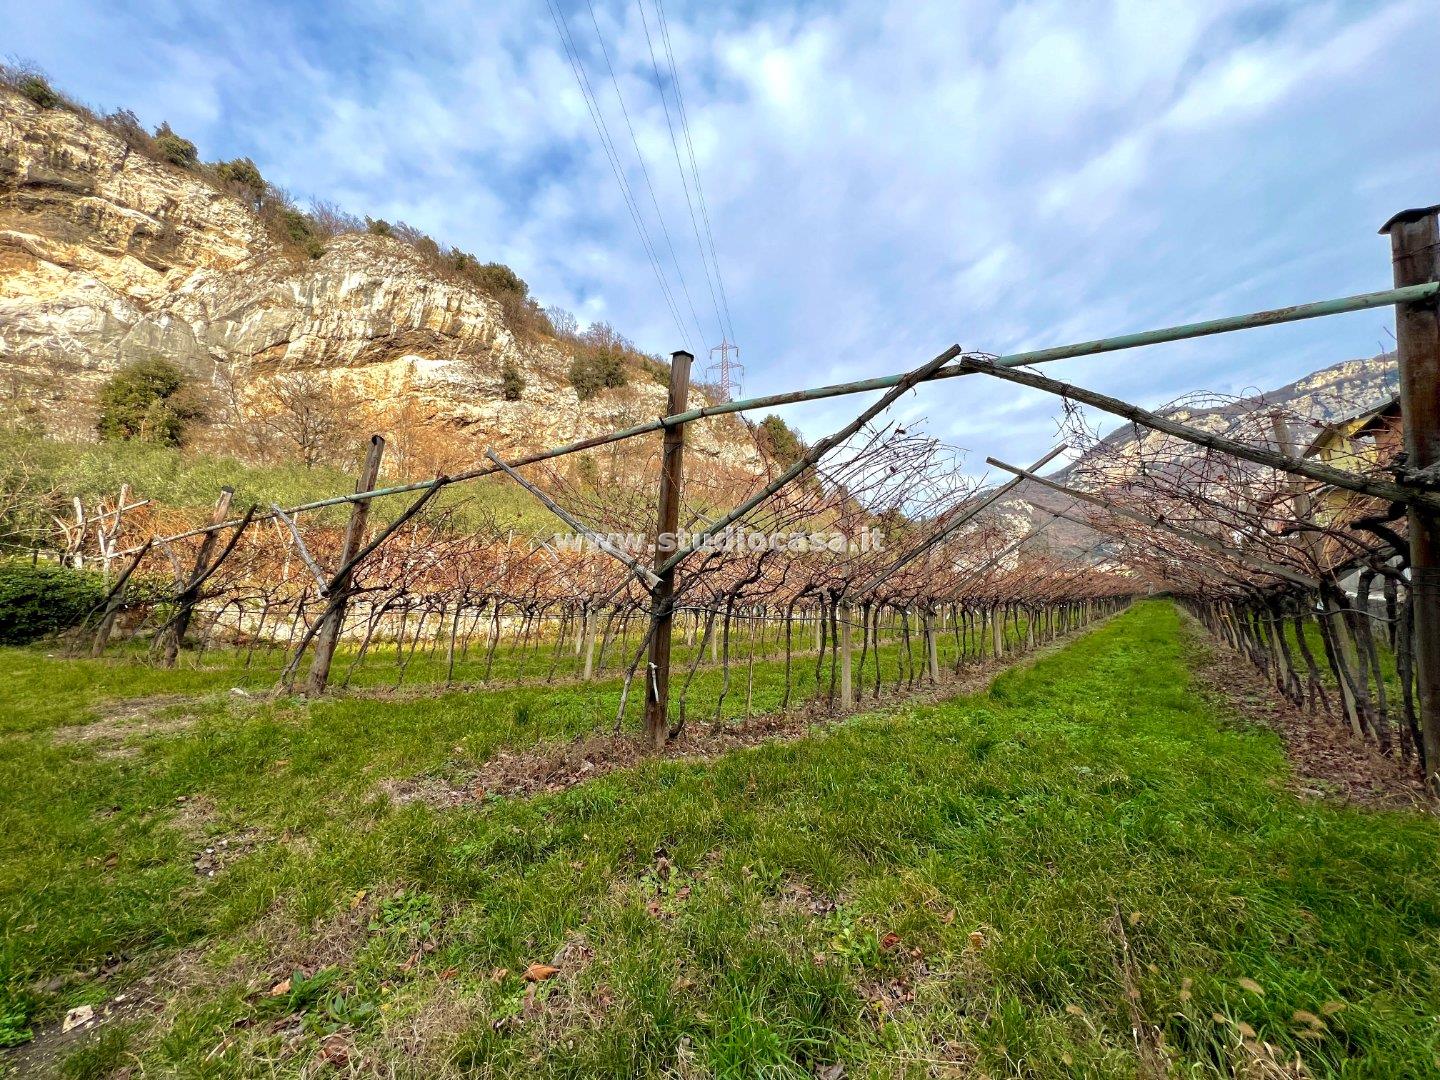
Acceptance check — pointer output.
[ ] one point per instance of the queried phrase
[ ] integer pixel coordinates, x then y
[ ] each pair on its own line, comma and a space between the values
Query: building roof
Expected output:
1355, 424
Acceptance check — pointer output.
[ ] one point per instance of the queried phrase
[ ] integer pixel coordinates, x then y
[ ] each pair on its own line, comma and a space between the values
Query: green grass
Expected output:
50, 689
191, 479
903, 893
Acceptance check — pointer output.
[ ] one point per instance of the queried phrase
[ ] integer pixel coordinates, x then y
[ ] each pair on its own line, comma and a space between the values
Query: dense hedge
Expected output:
43, 599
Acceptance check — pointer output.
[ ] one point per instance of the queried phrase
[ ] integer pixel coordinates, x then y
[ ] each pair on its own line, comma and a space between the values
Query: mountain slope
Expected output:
107, 256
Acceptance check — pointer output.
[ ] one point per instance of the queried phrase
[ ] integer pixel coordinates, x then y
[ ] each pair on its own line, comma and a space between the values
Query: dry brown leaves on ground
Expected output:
553, 767
1326, 759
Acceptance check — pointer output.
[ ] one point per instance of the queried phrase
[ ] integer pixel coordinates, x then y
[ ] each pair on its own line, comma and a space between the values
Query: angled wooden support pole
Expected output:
646, 576
322, 585
115, 600
1415, 249
809, 459
1008, 549
1408, 493
662, 593
963, 516
1198, 539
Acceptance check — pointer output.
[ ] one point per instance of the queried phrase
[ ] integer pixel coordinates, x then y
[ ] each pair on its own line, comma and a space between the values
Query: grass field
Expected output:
1082, 871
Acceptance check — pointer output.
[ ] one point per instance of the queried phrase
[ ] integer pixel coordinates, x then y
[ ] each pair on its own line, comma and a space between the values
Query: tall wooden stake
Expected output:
329, 635
1415, 250
587, 638
662, 596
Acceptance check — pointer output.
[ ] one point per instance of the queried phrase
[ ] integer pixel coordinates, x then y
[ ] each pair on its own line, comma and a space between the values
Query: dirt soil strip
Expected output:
1327, 761
552, 767
122, 720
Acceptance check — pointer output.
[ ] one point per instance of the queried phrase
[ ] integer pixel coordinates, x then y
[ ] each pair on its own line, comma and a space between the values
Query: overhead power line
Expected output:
694, 166
710, 279
597, 118
644, 169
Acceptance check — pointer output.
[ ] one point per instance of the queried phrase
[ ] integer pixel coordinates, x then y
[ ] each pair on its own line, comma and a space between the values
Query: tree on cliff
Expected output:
303, 416
175, 149
151, 400
599, 362
779, 441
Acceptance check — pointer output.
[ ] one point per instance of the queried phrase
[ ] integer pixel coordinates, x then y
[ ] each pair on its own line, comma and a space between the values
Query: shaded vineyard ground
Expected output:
1084, 869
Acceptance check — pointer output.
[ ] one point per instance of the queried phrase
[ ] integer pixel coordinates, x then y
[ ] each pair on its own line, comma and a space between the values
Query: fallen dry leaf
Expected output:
540, 972
498, 975
282, 987
78, 1017
334, 1051
890, 940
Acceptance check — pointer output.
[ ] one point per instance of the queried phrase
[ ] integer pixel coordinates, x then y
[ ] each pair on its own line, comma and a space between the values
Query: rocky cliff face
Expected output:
1323, 396
107, 256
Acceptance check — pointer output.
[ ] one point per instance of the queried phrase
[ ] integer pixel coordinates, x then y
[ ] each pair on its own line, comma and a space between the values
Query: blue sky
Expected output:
883, 179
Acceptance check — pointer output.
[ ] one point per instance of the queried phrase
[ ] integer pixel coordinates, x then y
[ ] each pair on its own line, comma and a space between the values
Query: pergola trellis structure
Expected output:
1415, 239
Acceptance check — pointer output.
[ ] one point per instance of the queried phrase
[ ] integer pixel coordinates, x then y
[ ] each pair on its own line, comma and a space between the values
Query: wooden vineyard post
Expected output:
932, 658
1415, 251
847, 695
328, 636
180, 625
662, 594
588, 639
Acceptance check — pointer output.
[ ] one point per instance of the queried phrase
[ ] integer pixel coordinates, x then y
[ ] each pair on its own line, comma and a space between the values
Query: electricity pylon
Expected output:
726, 375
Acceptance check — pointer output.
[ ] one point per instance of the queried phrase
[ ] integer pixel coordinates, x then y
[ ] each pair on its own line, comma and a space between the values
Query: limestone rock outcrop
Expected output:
107, 256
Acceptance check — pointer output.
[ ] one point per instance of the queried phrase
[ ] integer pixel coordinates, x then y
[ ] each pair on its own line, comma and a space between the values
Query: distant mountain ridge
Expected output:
1322, 397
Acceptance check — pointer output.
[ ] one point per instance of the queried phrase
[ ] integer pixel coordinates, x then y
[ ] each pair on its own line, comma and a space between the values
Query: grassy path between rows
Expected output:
1082, 871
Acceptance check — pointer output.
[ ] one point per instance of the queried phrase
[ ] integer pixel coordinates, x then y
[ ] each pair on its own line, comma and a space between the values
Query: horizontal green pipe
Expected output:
1410, 294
